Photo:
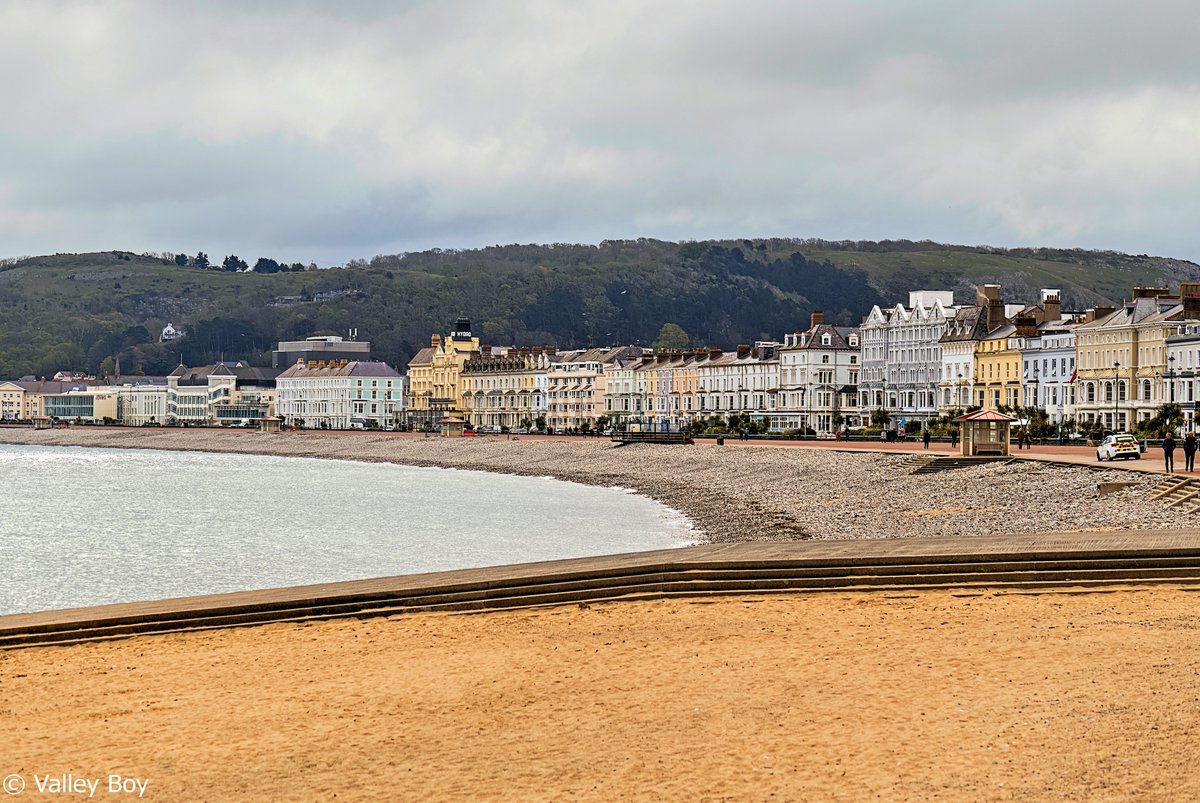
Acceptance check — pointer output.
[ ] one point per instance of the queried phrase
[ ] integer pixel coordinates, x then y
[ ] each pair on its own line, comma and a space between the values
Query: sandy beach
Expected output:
730, 494
933, 696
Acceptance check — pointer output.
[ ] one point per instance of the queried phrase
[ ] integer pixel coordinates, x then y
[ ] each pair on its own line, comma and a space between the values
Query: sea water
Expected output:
82, 526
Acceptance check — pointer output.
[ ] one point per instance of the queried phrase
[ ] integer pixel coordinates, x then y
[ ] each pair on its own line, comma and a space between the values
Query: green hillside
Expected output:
82, 311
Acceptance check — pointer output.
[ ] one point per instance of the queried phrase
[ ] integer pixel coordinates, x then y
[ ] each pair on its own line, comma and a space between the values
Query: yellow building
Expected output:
1121, 355
35, 391
434, 373
12, 402
997, 379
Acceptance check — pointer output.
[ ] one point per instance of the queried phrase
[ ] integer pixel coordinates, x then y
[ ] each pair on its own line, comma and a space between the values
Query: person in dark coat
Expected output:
1189, 452
925, 438
1168, 447
954, 439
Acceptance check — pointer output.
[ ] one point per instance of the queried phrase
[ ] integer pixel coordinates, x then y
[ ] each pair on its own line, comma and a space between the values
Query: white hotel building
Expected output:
340, 395
902, 356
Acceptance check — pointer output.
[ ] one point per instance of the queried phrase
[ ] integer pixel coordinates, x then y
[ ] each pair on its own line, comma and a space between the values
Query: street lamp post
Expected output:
1171, 375
1117, 397
884, 405
1037, 402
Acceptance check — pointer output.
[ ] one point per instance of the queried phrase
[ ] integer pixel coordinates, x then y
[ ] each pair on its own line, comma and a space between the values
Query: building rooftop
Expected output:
348, 369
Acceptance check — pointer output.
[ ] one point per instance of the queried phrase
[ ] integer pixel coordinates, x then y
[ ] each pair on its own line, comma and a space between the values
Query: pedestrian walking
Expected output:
954, 439
1168, 447
1189, 452
925, 438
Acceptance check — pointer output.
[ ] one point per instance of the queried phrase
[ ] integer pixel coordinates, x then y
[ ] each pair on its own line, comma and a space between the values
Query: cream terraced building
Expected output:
143, 404
577, 384
506, 388
1122, 355
819, 373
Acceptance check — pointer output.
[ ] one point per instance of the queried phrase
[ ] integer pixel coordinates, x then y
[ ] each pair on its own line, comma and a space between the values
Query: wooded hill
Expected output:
81, 311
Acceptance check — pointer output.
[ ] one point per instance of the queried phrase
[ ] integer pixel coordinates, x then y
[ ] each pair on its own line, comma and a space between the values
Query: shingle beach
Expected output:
730, 494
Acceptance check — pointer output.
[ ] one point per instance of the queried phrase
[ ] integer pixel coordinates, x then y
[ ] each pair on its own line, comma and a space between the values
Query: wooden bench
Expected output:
622, 438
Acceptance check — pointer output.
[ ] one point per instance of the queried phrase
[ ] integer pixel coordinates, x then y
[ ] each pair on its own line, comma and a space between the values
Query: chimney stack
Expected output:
1189, 296
1150, 292
985, 293
1051, 305
743, 350
435, 340
1026, 325
818, 318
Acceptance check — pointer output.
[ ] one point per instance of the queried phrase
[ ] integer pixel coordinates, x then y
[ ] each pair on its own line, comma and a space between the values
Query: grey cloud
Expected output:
336, 130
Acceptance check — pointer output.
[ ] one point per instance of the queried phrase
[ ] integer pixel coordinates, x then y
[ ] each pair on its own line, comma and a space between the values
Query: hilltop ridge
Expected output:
74, 311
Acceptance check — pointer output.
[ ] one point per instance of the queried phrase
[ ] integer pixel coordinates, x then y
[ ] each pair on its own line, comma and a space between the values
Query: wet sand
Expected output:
931, 696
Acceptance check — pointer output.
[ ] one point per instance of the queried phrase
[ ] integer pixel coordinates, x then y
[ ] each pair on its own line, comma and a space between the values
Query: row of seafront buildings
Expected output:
1104, 366
328, 385
1108, 367
914, 362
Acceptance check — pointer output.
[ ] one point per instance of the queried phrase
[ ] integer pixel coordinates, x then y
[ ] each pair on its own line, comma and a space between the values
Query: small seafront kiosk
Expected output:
453, 427
43, 422
269, 424
984, 432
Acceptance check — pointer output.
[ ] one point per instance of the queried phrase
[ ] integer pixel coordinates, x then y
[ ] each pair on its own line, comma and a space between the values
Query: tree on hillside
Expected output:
234, 263
181, 260
200, 260
671, 336
264, 265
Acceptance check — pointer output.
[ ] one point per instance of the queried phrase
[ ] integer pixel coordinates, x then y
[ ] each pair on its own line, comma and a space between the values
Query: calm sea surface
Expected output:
93, 526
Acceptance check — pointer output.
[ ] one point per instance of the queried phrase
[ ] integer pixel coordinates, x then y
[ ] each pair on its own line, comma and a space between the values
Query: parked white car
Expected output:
1124, 446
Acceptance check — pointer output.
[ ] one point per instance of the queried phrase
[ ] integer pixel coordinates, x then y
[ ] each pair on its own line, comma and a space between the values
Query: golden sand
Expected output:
931, 696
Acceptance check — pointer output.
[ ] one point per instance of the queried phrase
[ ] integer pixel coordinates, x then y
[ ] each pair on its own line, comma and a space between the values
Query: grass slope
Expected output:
71, 311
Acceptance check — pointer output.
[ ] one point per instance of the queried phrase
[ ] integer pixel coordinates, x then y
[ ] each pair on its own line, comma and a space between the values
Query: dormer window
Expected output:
854, 341
826, 339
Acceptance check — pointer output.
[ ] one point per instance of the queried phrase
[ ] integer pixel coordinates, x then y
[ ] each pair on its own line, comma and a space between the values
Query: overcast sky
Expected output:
335, 130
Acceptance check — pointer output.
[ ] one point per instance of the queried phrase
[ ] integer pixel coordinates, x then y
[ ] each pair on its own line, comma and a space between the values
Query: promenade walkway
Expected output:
1151, 462
1062, 561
